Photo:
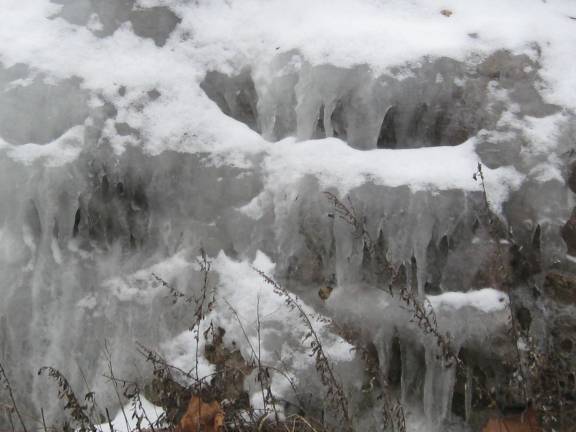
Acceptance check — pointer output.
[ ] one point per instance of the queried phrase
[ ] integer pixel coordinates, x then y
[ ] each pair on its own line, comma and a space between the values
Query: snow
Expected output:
141, 286
229, 34
242, 288
487, 300
379, 33
181, 352
147, 410
336, 164
59, 152
242, 291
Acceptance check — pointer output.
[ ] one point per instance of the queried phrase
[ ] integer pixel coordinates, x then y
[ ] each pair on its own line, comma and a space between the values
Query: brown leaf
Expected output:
202, 416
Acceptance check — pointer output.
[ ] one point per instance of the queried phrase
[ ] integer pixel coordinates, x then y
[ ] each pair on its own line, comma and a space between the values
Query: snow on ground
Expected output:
126, 420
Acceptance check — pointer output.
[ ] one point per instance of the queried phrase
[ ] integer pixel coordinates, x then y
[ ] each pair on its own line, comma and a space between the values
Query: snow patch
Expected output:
486, 300
149, 413
336, 164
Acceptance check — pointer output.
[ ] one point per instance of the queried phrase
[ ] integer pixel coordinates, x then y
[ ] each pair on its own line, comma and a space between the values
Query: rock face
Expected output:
569, 234
156, 23
425, 210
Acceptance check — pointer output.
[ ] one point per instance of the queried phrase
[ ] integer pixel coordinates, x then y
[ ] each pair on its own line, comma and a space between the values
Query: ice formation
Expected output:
133, 133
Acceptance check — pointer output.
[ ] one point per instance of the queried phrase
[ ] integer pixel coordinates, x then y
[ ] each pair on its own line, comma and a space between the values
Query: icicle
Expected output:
468, 392
438, 388
413, 370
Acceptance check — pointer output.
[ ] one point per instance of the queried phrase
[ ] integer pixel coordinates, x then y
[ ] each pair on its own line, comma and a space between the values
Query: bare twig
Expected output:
78, 411
8, 387
479, 176
335, 391
44, 420
110, 421
108, 356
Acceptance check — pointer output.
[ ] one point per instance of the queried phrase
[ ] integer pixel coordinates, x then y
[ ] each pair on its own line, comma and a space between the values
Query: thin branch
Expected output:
114, 384
335, 391
8, 387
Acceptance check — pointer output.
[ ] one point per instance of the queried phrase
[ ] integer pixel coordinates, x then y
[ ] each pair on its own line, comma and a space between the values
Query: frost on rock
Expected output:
135, 133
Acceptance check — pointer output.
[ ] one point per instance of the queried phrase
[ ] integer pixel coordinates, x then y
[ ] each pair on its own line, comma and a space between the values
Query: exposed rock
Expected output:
569, 234
563, 331
124, 129
235, 95
168, 394
231, 369
560, 287
571, 181
104, 17
110, 13
524, 318
518, 74
156, 23
324, 292
496, 152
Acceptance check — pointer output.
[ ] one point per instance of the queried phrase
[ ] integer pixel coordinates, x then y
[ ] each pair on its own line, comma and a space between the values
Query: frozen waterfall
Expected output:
136, 133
